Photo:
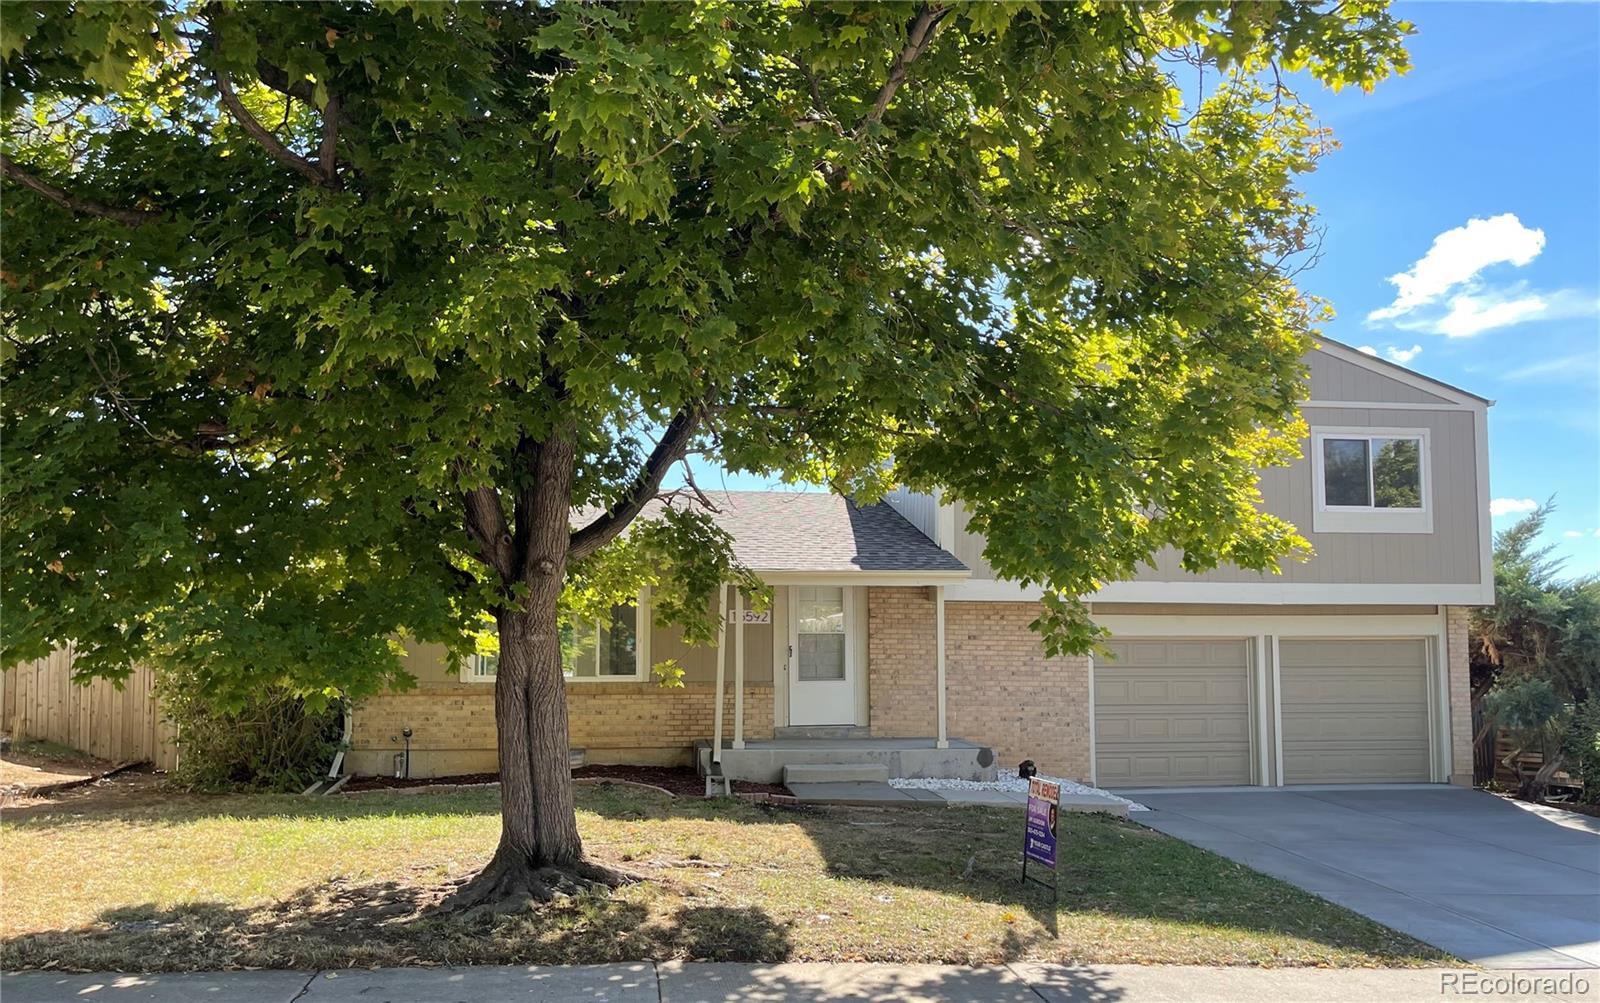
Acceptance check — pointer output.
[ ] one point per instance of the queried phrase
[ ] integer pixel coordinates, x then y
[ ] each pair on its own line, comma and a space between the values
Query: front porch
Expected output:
847, 759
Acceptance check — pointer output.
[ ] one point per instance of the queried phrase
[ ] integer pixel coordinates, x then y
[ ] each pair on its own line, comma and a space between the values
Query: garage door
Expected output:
1354, 711
1172, 713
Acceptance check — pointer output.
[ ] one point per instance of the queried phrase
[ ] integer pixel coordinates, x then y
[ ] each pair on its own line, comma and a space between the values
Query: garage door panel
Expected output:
1354, 711
1173, 713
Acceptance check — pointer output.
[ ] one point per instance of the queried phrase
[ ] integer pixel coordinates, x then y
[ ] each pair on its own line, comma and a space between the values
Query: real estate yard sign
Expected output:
1039, 831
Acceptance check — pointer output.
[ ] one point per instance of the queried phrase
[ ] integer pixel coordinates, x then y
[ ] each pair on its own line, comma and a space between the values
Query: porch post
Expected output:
938, 622
722, 658
738, 668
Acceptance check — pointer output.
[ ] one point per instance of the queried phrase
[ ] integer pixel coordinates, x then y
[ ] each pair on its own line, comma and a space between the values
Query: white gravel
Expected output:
1014, 784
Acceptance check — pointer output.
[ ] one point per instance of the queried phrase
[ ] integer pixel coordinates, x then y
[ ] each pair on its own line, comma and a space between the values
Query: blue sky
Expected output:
1463, 239
1475, 178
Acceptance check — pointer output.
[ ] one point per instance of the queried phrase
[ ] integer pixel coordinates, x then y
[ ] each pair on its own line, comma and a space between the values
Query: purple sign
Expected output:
1039, 843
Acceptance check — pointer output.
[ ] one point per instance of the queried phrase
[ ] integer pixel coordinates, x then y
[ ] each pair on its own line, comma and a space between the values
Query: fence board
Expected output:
38, 700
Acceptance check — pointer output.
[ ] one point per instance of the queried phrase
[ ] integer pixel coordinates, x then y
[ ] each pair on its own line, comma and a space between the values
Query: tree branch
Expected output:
321, 173
672, 447
81, 206
917, 42
277, 78
486, 524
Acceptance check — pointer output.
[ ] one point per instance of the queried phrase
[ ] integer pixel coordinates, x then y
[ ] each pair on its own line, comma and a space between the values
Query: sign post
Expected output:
1039, 831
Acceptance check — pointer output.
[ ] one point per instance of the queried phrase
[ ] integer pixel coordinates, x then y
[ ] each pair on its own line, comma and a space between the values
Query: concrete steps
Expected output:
816, 732
834, 773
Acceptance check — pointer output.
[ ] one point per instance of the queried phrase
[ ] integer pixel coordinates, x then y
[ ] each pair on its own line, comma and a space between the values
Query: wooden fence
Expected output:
39, 700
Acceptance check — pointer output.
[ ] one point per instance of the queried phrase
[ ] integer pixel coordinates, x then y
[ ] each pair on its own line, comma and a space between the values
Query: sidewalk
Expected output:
678, 982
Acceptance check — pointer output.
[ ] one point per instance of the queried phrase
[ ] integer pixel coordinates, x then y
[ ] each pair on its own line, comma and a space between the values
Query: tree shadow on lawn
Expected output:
1107, 867
154, 803
342, 924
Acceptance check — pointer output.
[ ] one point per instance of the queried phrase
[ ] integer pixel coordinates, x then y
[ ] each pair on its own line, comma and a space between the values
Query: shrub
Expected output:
1581, 745
275, 741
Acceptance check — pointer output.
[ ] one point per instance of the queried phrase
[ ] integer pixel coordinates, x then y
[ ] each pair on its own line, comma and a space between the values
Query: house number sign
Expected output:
750, 616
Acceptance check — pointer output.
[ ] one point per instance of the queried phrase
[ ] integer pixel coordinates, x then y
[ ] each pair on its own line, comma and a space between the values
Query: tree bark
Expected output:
540, 855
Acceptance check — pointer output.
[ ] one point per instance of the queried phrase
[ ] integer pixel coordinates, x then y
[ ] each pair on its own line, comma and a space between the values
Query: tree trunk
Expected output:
540, 855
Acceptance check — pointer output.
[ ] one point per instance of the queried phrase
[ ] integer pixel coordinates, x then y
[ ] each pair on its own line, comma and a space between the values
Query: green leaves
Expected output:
238, 437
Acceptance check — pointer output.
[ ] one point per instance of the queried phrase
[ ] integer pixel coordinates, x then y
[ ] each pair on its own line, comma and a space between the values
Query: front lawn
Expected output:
196, 883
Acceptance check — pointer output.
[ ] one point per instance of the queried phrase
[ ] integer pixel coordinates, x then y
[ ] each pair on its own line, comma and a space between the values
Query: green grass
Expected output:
187, 883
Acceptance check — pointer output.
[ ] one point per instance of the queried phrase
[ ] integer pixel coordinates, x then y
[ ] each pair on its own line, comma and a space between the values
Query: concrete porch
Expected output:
849, 759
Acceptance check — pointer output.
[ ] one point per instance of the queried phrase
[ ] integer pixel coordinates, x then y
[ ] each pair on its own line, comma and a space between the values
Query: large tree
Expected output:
321, 320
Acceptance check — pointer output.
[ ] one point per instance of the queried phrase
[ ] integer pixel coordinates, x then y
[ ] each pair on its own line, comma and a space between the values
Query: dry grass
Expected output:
187, 883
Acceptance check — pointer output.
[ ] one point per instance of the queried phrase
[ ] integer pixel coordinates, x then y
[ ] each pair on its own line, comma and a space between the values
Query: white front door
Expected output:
822, 671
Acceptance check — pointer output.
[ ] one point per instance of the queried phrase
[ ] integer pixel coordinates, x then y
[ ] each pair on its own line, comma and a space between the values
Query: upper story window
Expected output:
1370, 480
590, 651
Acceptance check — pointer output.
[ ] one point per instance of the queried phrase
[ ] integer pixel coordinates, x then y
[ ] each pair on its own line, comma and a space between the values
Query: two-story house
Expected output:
890, 641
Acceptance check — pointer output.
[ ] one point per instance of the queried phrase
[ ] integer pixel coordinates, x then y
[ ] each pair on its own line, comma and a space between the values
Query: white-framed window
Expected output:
613, 651
1371, 480
480, 668
607, 651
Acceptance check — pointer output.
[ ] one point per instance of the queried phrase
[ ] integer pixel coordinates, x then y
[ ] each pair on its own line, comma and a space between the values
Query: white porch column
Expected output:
938, 621
722, 659
738, 669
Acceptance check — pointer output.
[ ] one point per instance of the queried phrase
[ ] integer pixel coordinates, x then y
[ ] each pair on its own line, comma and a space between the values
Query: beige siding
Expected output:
1101, 609
969, 547
1333, 379
1450, 554
919, 509
1447, 555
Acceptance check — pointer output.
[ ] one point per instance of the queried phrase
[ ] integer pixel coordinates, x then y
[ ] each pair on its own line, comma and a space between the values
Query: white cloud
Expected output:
1456, 258
1582, 367
1573, 534
1510, 506
1470, 315
1445, 291
1399, 355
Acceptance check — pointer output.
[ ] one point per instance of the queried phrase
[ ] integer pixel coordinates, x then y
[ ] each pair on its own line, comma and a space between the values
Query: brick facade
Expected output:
902, 663
1000, 689
453, 724
1458, 662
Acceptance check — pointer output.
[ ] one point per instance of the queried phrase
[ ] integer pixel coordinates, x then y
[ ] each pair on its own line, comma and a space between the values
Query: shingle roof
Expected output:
817, 531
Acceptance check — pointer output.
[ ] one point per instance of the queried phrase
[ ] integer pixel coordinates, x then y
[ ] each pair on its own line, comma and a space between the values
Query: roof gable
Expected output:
1345, 374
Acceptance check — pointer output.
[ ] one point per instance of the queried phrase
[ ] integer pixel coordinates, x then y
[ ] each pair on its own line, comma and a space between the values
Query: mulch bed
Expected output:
680, 780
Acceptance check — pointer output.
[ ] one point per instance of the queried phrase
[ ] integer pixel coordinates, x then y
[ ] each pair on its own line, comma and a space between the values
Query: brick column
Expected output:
1459, 668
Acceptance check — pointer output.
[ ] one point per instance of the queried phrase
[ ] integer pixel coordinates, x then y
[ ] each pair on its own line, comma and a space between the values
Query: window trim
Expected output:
641, 654
1327, 518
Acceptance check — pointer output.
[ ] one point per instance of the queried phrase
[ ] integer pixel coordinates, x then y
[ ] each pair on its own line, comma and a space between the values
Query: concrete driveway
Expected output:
1489, 881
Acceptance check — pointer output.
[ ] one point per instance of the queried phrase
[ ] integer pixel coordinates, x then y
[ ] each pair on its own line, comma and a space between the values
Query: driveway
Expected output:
1489, 881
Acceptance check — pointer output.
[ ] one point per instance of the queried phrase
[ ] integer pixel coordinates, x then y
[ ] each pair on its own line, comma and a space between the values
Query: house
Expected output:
891, 642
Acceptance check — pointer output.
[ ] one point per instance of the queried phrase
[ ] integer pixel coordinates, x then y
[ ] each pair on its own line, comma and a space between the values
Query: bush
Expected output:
1581, 744
274, 742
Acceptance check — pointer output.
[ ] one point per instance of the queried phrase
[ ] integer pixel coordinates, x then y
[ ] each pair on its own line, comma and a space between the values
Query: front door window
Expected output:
820, 625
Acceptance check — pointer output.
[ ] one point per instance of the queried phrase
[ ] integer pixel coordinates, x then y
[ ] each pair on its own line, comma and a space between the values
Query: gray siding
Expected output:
1448, 555
919, 509
969, 547
1333, 379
